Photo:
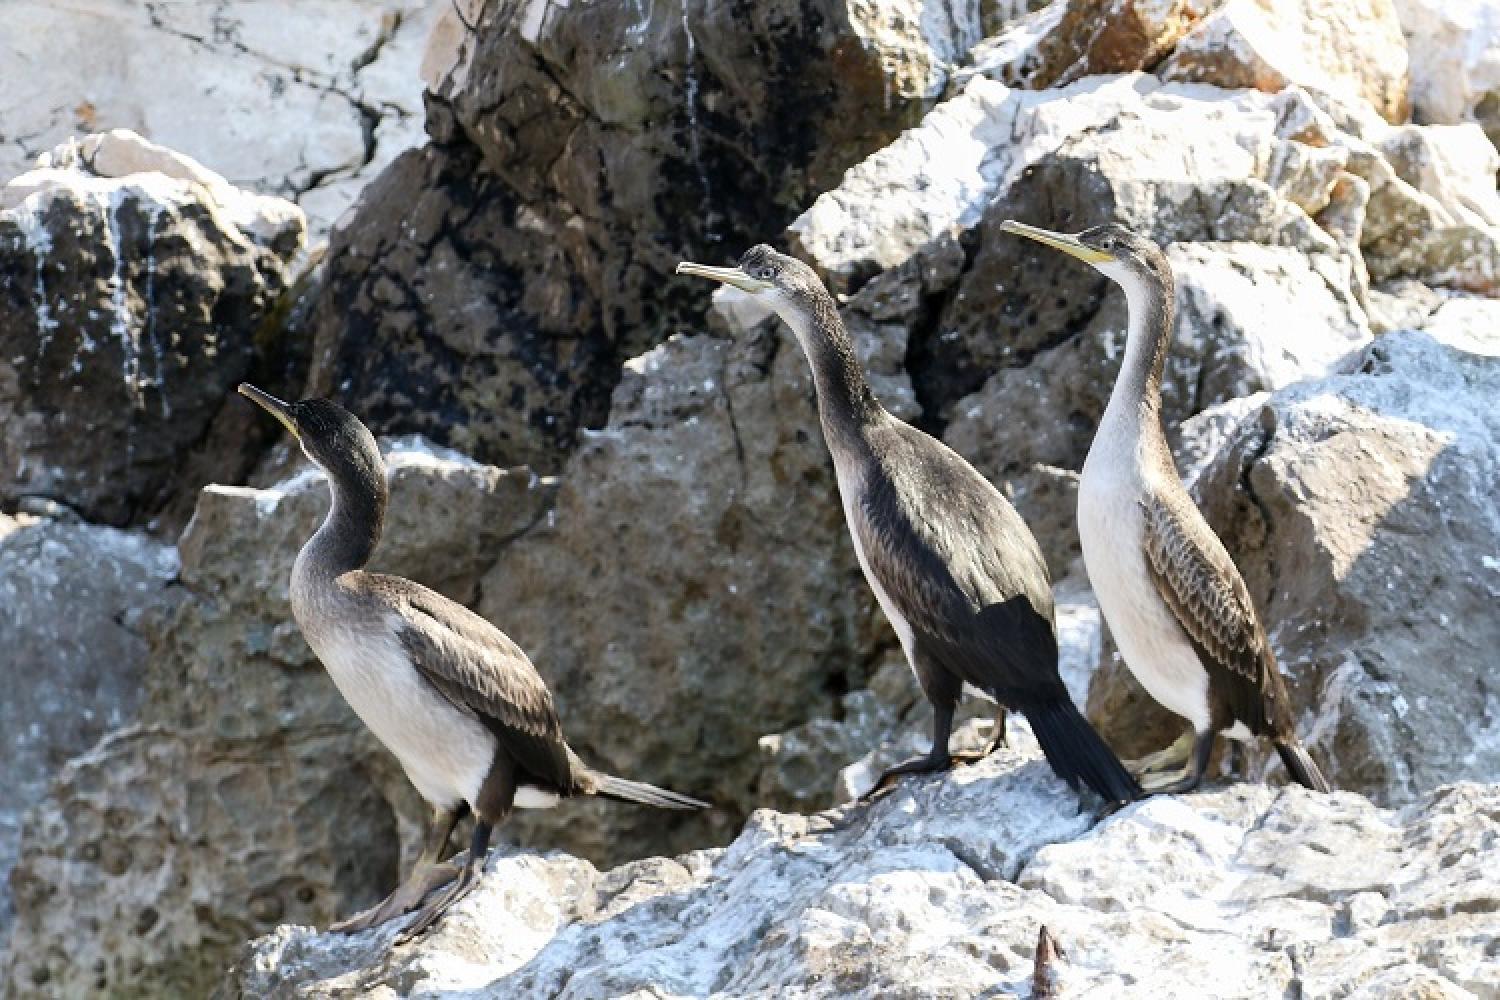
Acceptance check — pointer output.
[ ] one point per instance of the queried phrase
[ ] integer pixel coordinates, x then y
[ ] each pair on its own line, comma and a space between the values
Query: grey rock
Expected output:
692, 590
133, 286
74, 596
245, 792
939, 890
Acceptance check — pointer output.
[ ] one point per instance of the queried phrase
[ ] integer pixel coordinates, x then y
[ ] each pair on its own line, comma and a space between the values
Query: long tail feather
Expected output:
625, 790
1077, 753
1303, 769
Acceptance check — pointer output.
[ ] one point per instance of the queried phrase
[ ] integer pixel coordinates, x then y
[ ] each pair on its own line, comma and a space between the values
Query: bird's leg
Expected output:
478, 847
1172, 758
1190, 777
1237, 759
426, 875
996, 741
493, 804
937, 759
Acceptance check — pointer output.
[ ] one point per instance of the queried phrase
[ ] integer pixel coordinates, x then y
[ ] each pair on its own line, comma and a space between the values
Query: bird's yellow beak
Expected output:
728, 275
1067, 244
275, 407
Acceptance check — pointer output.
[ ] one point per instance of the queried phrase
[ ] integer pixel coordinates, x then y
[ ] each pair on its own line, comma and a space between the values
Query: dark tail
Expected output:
625, 790
1300, 765
1077, 753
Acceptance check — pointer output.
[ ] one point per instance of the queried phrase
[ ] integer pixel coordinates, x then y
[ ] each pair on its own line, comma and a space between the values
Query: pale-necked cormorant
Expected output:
952, 564
1174, 601
458, 703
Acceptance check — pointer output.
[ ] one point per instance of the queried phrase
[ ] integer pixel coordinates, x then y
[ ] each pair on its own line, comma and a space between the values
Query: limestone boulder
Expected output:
1346, 47
303, 101
941, 889
578, 153
137, 288
244, 792
74, 598
1360, 509
692, 590
1455, 61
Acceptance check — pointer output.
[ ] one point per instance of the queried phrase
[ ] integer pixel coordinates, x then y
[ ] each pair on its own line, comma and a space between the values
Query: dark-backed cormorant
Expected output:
1174, 601
952, 564
458, 703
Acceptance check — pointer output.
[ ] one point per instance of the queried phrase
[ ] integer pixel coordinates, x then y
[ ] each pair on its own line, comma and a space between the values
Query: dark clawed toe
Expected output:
430, 914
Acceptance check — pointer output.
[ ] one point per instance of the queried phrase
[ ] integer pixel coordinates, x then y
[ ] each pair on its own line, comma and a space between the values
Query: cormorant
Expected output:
952, 564
1175, 603
457, 702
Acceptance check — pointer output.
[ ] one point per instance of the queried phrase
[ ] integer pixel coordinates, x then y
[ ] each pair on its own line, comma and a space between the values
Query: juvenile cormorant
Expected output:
458, 703
1174, 601
952, 564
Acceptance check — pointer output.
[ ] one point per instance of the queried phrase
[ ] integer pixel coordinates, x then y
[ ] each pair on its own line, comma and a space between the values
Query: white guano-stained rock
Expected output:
939, 890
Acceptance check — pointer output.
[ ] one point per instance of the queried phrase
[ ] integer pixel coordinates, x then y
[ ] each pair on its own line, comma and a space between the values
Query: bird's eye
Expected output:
766, 273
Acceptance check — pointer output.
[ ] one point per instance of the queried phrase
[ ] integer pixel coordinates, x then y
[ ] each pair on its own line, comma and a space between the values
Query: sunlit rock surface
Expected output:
939, 891
306, 101
134, 283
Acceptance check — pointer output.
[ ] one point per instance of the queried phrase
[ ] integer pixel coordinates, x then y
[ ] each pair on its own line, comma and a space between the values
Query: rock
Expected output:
1455, 67
579, 153
693, 589
1319, 493
73, 595
245, 792
1113, 36
307, 103
139, 281
1346, 47
939, 890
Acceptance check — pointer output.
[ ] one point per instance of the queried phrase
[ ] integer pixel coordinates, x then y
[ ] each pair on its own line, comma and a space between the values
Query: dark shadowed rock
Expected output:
487, 288
136, 288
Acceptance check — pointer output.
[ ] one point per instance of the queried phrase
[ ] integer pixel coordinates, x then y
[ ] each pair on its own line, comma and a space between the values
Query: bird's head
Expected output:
329, 435
783, 283
1116, 252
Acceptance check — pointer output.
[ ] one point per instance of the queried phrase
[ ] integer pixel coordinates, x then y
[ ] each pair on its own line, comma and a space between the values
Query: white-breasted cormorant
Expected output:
458, 703
1175, 603
952, 564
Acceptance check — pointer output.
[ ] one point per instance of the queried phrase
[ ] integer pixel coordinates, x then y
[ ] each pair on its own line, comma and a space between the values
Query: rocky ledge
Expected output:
940, 890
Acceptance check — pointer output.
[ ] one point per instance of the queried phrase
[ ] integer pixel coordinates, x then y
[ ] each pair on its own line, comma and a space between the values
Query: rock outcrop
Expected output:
245, 792
134, 284
307, 102
940, 889
1455, 61
488, 287
693, 589
74, 596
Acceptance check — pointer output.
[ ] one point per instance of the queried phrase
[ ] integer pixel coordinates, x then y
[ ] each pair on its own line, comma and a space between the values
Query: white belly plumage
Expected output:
445, 752
1111, 530
849, 486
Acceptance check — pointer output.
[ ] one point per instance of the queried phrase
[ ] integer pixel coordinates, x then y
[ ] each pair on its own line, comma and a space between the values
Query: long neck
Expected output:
845, 402
1137, 393
350, 532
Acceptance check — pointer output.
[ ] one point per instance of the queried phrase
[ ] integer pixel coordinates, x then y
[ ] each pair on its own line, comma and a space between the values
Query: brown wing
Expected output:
1206, 594
478, 667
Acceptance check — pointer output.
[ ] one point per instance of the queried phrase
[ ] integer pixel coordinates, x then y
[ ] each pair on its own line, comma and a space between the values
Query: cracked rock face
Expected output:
134, 284
244, 792
580, 152
1319, 491
304, 101
939, 891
